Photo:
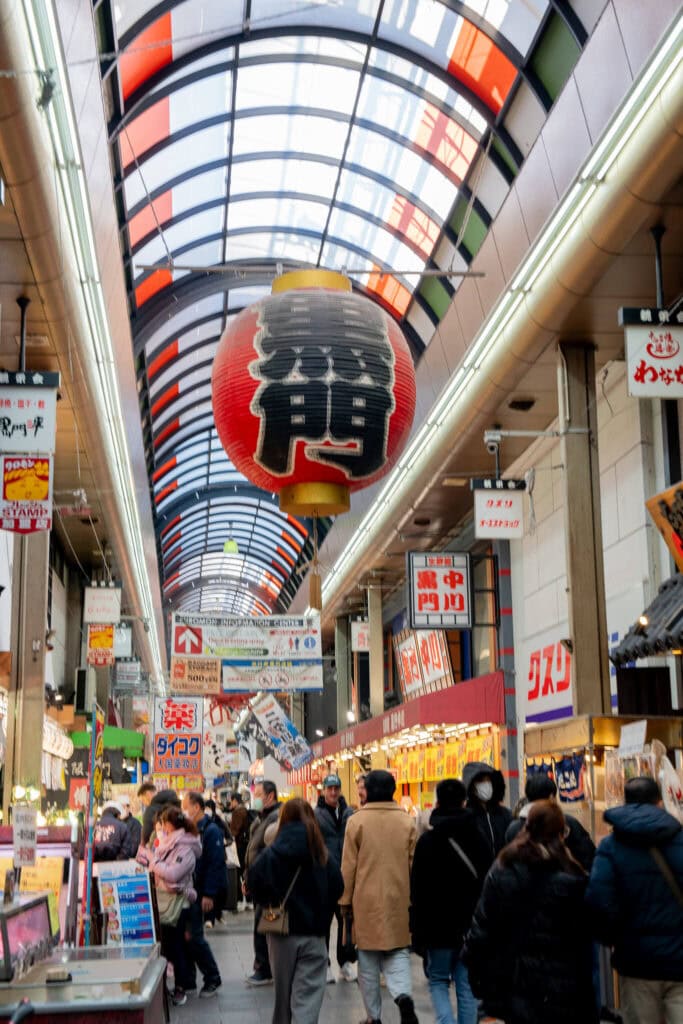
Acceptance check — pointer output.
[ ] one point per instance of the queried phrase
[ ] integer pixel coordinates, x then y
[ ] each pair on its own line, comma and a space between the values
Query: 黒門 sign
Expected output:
28, 412
178, 726
439, 590
654, 352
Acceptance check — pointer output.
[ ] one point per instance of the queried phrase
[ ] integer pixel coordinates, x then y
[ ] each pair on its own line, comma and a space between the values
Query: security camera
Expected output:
492, 439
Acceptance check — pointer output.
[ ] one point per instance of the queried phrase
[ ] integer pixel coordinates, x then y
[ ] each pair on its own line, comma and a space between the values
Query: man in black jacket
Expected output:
449, 867
209, 878
264, 803
111, 839
332, 813
577, 839
491, 817
634, 895
154, 803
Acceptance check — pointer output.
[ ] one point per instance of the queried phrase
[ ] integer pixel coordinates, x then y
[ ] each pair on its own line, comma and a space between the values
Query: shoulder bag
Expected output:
463, 857
669, 877
275, 920
170, 905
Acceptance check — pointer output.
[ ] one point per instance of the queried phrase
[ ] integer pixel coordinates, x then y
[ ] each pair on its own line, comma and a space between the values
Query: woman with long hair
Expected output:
173, 863
297, 863
528, 952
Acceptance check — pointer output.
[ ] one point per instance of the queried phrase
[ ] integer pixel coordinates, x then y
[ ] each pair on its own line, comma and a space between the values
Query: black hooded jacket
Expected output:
443, 890
492, 818
333, 825
160, 800
529, 952
317, 888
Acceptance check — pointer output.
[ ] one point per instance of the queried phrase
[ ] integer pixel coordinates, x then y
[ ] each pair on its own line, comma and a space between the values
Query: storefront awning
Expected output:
469, 703
130, 742
658, 629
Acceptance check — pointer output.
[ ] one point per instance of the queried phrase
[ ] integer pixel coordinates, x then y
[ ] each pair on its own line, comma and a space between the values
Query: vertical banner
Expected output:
95, 774
178, 727
24, 822
290, 748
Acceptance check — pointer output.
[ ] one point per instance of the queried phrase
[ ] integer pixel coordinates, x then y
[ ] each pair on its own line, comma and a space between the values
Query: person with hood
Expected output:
111, 839
154, 803
449, 867
376, 863
131, 822
577, 840
332, 814
635, 897
298, 863
528, 952
264, 803
209, 878
491, 817
173, 864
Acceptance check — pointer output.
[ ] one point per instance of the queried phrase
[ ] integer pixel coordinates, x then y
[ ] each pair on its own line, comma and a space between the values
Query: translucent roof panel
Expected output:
248, 138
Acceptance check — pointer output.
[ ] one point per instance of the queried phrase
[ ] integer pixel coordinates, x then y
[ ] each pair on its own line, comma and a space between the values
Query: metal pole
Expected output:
23, 303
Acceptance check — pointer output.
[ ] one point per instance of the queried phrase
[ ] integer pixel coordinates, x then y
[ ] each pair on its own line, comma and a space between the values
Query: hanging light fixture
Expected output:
230, 547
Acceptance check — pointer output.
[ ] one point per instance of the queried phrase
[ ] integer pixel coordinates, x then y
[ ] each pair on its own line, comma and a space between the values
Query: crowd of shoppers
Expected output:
506, 913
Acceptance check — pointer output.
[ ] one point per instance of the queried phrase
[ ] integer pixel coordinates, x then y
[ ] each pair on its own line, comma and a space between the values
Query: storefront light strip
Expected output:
623, 127
45, 43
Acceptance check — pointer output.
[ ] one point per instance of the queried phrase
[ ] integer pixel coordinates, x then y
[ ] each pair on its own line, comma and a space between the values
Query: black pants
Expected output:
261, 958
198, 950
174, 948
346, 954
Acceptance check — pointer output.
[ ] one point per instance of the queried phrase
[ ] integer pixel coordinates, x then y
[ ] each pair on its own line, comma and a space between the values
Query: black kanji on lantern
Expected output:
327, 373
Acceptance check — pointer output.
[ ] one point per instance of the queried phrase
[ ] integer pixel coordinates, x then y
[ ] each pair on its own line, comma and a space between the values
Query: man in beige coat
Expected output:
376, 862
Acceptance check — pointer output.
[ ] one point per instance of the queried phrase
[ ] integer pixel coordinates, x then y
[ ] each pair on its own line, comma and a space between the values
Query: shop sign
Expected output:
123, 641
100, 645
28, 412
632, 738
195, 675
126, 899
499, 514
360, 636
218, 733
178, 726
26, 493
127, 673
178, 783
423, 661
276, 653
45, 876
410, 666
666, 510
102, 604
654, 356
24, 833
290, 749
548, 681
439, 590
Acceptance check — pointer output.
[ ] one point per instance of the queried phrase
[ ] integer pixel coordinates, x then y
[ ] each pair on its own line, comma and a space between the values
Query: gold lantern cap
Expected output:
315, 498
294, 279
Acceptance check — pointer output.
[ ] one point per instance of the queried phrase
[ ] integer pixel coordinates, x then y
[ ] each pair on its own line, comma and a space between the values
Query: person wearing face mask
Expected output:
264, 803
491, 817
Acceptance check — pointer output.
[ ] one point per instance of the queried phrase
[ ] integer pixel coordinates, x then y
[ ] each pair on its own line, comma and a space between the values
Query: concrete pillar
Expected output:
583, 529
342, 663
509, 746
23, 761
102, 688
376, 650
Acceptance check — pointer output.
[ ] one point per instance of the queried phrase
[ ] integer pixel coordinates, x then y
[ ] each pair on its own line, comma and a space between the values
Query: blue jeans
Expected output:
444, 966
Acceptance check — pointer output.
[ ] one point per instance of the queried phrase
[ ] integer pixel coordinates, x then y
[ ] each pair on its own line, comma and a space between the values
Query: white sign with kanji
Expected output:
410, 666
654, 353
28, 419
24, 828
439, 590
102, 604
360, 636
499, 514
178, 714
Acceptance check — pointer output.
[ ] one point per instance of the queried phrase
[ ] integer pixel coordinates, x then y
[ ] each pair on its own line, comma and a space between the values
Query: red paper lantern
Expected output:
313, 392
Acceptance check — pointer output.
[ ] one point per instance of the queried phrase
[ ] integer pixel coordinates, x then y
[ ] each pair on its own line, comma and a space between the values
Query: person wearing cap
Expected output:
131, 822
111, 837
332, 814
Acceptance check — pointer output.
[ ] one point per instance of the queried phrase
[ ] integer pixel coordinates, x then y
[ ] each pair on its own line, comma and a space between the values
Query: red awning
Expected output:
471, 702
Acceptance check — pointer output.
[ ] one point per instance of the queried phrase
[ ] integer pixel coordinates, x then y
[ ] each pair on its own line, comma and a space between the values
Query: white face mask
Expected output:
484, 791
257, 803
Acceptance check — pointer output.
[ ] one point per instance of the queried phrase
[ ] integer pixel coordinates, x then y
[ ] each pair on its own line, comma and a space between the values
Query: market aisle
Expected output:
239, 1004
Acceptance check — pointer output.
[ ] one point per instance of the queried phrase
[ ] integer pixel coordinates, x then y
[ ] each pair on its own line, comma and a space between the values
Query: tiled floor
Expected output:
236, 1003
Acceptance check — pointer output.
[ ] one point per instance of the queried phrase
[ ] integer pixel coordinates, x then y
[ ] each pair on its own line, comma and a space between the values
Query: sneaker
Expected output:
259, 979
349, 972
330, 980
209, 990
406, 1008
178, 997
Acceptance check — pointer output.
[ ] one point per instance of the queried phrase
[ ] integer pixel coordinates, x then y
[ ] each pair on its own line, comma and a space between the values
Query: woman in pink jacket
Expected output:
173, 864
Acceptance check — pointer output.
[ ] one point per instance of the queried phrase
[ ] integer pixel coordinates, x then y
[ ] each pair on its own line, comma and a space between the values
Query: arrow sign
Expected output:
187, 640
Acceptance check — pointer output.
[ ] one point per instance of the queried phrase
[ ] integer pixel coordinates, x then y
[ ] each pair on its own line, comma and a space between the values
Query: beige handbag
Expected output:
275, 920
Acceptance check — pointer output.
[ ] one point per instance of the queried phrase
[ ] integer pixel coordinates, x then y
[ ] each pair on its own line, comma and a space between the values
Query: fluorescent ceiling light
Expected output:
444, 412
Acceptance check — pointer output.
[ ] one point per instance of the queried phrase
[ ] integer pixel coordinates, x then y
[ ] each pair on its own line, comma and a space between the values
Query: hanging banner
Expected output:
123, 641
439, 590
499, 514
200, 676
218, 733
654, 339
360, 636
423, 661
178, 726
546, 678
100, 645
25, 835
289, 747
28, 411
26, 493
409, 666
102, 605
